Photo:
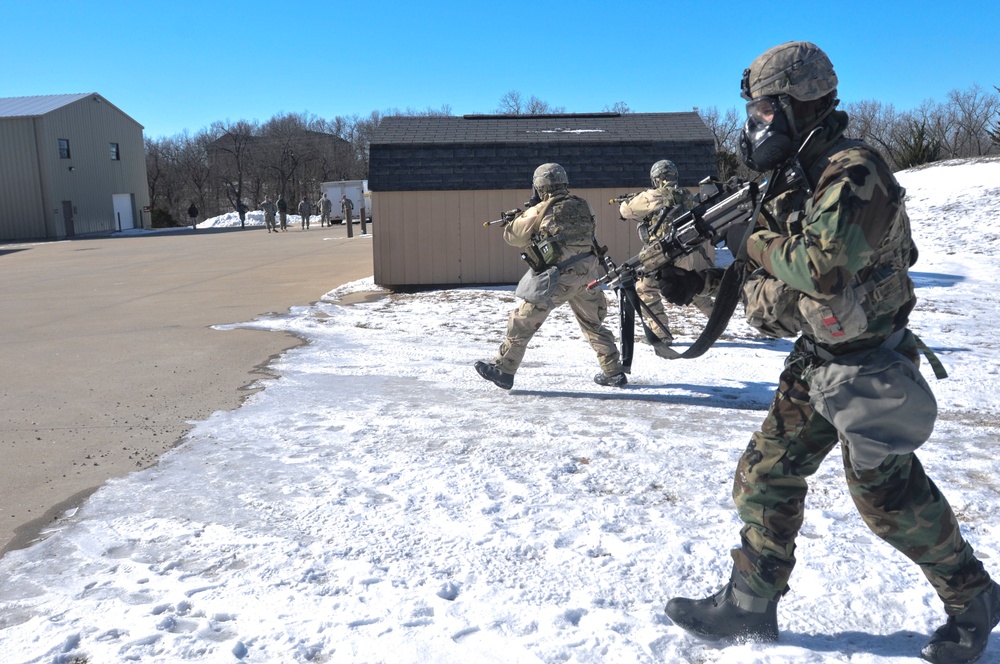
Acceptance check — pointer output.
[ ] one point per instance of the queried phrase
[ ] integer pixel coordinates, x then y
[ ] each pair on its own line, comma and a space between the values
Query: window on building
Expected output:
64, 148
114, 152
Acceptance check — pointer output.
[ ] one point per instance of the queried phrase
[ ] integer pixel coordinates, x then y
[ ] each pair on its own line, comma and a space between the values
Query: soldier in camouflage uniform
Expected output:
843, 248
644, 209
270, 209
570, 220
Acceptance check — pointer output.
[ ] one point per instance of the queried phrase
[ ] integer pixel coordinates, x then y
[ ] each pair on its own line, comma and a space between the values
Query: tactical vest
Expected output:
568, 218
677, 200
882, 287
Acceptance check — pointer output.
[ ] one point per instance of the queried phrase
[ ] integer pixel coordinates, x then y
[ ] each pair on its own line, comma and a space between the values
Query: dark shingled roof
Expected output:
501, 151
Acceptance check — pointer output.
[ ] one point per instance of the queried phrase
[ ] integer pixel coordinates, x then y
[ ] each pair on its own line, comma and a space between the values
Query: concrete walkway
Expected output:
108, 353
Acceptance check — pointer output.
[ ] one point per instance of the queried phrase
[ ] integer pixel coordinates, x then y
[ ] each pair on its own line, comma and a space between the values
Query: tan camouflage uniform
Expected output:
561, 213
270, 210
643, 210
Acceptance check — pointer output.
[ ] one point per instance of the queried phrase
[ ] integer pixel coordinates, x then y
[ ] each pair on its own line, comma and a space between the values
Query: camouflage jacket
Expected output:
844, 252
561, 215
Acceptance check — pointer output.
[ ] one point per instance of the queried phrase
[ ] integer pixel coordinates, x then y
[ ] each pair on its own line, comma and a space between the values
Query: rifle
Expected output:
505, 218
722, 209
624, 197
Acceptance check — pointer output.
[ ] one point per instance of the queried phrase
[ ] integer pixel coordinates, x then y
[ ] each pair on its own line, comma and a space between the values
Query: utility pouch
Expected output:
542, 252
770, 305
834, 321
878, 401
537, 287
644, 232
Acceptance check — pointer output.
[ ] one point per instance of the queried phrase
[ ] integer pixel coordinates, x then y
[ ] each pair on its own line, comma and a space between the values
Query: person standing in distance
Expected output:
305, 210
270, 210
567, 222
282, 213
837, 259
325, 206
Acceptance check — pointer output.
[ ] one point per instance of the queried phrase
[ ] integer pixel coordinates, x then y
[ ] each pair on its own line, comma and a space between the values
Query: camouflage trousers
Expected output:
269, 222
589, 306
896, 500
649, 292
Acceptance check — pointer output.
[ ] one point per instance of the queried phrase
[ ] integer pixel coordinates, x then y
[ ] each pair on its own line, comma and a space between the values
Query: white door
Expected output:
123, 211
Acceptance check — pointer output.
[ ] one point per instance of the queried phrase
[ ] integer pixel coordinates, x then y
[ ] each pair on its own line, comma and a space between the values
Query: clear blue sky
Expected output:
181, 65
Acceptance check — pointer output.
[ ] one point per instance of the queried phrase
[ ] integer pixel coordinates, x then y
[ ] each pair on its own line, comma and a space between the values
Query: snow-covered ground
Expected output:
256, 218
379, 502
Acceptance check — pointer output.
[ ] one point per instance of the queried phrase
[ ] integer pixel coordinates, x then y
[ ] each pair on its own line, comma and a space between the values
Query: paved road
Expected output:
108, 352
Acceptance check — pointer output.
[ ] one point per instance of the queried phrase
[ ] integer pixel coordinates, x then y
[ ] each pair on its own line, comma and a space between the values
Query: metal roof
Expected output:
17, 107
556, 128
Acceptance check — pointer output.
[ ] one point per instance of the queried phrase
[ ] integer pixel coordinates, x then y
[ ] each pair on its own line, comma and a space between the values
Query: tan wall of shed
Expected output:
21, 211
437, 237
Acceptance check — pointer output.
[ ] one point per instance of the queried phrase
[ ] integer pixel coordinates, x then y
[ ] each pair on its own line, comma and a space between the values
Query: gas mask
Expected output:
768, 140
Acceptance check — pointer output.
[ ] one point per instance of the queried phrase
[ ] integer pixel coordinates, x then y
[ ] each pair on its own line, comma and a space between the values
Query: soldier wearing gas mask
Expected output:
832, 270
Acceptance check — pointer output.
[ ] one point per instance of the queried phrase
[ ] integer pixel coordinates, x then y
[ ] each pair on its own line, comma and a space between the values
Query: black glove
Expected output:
679, 286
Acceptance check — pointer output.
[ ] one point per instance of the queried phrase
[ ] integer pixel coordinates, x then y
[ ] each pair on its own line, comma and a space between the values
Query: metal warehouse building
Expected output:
69, 165
435, 180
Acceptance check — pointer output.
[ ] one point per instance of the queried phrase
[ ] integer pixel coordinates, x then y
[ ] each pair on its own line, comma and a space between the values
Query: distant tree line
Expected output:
233, 163
230, 164
967, 124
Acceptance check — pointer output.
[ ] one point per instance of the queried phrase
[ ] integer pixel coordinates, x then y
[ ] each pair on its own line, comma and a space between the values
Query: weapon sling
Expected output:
729, 290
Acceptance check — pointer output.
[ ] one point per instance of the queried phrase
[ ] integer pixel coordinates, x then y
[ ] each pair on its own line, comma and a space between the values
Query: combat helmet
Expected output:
549, 177
800, 70
663, 171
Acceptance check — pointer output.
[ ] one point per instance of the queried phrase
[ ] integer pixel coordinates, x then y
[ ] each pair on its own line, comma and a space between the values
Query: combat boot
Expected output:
618, 380
735, 612
964, 637
491, 373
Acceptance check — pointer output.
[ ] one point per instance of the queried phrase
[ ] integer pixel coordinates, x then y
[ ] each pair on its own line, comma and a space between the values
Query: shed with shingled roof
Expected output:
436, 179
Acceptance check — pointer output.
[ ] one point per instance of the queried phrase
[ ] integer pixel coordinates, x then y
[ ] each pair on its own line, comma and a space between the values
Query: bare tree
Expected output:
514, 103
994, 130
973, 110
194, 165
726, 130
877, 124
511, 103
618, 107
235, 157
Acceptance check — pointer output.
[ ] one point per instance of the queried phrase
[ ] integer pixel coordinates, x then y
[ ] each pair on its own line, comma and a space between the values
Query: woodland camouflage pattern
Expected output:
855, 214
856, 211
797, 69
896, 500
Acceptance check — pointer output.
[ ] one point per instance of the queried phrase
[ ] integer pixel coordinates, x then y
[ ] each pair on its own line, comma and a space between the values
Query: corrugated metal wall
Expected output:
21, 210
91, 125
437, 237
